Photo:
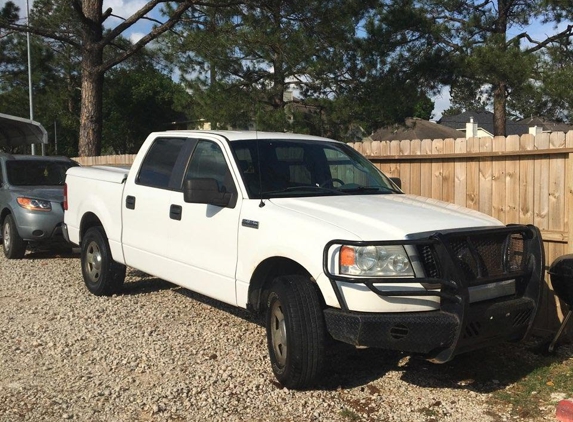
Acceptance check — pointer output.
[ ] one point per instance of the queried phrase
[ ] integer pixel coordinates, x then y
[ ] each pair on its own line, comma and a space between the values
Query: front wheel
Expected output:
295, 331
102, 275
14, 245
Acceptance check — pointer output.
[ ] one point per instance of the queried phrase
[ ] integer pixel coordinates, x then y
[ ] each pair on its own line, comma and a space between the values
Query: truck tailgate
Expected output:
103, 173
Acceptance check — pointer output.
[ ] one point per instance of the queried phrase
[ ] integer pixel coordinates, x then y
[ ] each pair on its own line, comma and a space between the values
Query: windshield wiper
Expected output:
368, 189
304, 188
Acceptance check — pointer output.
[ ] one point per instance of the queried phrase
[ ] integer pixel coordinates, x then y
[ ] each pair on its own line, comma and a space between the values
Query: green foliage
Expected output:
239, 62
138, 98
549, 92
489, 65
137, 101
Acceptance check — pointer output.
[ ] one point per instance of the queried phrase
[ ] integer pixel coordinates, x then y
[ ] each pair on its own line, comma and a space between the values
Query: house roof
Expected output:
415, 128
15, 131
547, 125
484, 120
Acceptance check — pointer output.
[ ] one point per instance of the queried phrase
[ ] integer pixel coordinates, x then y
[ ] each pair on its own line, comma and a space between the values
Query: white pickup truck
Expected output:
308, 231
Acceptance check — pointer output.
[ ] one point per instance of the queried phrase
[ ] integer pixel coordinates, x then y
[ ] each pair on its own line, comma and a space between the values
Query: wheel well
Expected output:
3, 215
89, 220
264, 275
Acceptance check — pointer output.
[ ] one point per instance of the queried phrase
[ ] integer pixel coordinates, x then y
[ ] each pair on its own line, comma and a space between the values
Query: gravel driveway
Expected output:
159, 352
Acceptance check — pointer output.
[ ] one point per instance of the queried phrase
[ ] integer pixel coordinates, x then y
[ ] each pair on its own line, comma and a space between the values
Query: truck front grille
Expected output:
479, 256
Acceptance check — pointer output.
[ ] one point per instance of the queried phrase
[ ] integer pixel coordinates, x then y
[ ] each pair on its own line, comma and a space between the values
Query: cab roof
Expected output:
241, 135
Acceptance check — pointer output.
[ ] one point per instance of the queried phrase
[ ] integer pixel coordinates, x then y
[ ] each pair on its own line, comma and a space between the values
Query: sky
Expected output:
127, 7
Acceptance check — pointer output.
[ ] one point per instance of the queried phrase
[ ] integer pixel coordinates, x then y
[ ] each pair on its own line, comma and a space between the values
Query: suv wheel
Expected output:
14, 245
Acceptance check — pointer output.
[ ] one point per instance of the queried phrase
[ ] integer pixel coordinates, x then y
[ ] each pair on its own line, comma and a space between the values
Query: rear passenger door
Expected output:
147, 244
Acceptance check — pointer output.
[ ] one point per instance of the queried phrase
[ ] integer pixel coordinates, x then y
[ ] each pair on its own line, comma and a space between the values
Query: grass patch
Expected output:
549, 380
349, 414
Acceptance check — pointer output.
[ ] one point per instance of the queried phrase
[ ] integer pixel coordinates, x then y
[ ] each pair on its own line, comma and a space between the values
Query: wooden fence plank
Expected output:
375, 147
448, 171
460, 169
556, 183
405, 168
512, 182
395, 166
415, 169
498, 201
473, 175
426, 183
485, 177
541, 184
437, 170
526, 186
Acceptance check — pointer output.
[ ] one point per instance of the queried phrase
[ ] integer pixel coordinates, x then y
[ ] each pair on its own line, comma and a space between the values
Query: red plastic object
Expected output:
565, 411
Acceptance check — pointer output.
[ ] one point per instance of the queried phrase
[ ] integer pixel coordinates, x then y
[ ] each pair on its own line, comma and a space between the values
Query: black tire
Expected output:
102, 275
14, 245
295, 331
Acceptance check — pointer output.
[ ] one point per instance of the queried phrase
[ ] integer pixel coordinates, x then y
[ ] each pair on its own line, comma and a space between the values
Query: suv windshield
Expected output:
289, 168
37, 172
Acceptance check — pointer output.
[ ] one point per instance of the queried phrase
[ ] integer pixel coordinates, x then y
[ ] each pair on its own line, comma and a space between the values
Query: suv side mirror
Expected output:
206, 191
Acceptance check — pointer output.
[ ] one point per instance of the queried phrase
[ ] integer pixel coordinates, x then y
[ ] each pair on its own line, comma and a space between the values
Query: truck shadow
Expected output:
52, 253
482, 371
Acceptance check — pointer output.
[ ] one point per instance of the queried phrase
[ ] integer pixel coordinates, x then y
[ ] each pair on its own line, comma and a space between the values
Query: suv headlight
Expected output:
375, 261
34, 204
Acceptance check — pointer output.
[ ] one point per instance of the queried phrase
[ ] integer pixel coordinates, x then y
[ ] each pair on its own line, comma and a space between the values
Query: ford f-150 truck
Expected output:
309, 232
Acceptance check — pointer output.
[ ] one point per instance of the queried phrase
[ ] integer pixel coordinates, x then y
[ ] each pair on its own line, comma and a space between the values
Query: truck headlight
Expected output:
385, 261
34, 204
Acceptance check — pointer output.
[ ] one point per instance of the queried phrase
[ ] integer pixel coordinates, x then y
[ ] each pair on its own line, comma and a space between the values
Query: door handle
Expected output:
175, 212
130, 202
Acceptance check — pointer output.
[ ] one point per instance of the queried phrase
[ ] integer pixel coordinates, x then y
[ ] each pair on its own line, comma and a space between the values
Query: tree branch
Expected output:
156, 32
127, 23
567, 32
40, 31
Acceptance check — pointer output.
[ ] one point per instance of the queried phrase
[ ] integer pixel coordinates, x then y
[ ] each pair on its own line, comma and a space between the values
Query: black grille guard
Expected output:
453, 283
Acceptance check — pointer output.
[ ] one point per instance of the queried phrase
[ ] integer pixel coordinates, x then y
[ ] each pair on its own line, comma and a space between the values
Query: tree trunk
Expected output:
500, 87
499, 112
91, 113
91, 110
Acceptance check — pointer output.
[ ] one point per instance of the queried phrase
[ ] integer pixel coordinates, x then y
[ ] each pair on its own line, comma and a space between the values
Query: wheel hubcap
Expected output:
93, 261
278, 333
6, 236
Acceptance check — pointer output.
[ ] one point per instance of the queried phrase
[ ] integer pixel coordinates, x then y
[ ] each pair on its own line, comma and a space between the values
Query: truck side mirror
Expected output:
206, 191
397, 181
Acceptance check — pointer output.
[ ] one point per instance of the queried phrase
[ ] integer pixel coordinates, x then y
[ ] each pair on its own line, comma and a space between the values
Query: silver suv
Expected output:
31, 201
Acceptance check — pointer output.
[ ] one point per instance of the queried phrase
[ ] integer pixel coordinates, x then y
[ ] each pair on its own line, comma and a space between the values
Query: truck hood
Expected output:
47, 193
388, 217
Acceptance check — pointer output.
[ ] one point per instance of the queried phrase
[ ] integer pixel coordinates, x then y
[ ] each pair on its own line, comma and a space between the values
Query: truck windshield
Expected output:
289, 168
37, 172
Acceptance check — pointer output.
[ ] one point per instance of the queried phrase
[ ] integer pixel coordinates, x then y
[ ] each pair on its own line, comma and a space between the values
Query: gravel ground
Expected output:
158, 352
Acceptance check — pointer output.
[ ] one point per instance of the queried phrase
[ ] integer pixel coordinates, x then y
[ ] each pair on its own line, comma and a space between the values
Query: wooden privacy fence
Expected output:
106, 160
527, 180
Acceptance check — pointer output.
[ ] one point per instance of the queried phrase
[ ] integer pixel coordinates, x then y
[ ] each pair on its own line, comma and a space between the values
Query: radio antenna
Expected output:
262, 203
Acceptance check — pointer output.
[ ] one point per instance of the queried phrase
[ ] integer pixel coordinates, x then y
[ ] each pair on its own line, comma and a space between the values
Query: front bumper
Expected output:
458, 261
435, 333
39, 226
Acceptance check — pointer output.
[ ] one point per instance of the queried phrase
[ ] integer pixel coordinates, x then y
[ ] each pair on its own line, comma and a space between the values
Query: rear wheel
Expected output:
295, 331
14, 245
102, 275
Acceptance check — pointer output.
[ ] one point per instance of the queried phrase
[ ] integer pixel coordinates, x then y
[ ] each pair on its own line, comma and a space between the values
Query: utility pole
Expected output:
30, 95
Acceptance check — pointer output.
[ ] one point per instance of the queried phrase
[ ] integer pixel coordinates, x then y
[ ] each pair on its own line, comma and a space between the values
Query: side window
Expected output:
208, 161
157, 167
